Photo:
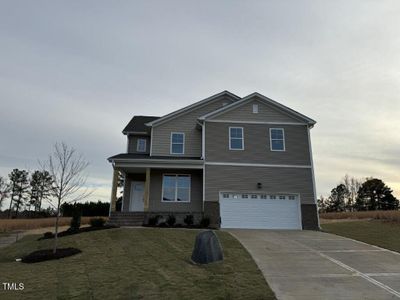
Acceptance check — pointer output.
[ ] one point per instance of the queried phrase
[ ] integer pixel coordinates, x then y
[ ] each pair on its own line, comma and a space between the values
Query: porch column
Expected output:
114, 191
147, 190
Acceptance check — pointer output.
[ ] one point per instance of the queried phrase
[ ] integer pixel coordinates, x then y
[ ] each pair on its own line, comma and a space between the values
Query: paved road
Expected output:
316, 265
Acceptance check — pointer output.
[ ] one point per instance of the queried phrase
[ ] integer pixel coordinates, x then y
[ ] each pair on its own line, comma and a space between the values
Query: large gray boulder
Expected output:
207, 248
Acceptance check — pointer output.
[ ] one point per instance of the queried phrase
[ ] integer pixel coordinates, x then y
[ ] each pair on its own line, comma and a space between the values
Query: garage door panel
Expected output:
259, 213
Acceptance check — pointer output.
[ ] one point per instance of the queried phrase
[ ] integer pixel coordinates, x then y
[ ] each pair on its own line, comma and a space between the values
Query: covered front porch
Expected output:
156, 186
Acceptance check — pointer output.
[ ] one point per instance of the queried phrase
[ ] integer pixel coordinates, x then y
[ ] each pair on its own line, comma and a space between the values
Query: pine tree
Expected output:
41, 184
336, 201
374, 194
19, 188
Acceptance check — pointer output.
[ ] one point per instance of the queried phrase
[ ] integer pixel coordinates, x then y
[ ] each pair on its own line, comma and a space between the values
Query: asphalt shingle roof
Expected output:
137, 124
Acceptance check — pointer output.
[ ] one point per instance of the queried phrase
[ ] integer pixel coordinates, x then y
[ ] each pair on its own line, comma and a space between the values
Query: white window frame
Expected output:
183, 143
235, 127
138, 144
255, 108
283, 139
176, 188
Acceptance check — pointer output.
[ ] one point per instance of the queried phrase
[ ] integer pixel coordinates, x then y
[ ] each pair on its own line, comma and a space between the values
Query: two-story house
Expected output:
242, 162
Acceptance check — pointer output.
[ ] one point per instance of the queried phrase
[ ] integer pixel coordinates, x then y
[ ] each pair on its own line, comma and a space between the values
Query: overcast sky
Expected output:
77, 71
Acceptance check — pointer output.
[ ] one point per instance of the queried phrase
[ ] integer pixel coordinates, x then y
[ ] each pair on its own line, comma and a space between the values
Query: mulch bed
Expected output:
80, 230
47, 254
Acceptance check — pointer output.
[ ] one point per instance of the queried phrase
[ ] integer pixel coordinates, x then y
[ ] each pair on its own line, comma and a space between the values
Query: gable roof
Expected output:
191, 107
137, 125
258, 96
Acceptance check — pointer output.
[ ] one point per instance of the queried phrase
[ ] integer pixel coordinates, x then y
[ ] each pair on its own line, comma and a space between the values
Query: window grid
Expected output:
173, 186
177, 143
141, 145
277, 139
236, 139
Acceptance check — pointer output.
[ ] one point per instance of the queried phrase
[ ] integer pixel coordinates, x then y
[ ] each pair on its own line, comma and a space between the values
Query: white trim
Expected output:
127, 144
151, 141
203, 141
235, 127
270, 140
178, 112
255, 108
263, 98
157, 160
137, 145
313, 174
161, 166
255, 122
214, 163
204, 185
183, 143
176, 188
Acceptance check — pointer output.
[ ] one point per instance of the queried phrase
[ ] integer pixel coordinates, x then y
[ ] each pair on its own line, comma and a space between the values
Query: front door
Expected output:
137, 196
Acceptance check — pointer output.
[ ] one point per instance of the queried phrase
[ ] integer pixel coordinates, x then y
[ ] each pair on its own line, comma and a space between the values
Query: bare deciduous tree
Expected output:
4, 190
352, 185
66, 167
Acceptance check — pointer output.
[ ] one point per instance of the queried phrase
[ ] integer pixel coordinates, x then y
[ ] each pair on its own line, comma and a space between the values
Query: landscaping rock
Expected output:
207, 248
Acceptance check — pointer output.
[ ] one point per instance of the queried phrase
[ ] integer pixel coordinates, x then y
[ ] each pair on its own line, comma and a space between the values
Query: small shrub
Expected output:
75, 221
205, 222
48, 235
171, 220
188, 220
153, 220
97, 222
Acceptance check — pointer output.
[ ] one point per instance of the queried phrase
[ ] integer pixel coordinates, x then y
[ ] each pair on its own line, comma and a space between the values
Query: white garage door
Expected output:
259, 211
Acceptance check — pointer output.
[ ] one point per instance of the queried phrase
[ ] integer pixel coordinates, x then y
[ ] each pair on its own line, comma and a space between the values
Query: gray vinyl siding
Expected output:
266, 113
257, 144
245, 179
132, 144
186, 123
196, 195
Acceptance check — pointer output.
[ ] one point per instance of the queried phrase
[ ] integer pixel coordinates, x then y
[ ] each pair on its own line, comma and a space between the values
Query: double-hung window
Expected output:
141, 145
277, 139
236, 141
176, 188
177, 143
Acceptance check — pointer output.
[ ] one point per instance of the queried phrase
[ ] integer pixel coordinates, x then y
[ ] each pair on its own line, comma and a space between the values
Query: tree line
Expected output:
87, 209
353, 194
25, 190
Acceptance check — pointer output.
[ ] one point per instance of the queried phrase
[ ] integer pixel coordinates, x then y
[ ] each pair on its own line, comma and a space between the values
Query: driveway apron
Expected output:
316, 265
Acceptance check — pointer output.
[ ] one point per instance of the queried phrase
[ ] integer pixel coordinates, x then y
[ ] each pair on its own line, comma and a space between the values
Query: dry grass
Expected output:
389, 215
7, 225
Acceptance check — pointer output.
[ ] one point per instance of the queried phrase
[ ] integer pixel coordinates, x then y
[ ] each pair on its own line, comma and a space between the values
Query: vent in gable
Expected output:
255, 108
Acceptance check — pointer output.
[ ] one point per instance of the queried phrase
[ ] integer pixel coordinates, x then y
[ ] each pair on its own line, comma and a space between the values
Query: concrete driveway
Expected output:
316, 265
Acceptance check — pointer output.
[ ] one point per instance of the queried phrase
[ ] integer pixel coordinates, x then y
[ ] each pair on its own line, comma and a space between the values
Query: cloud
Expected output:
77, 72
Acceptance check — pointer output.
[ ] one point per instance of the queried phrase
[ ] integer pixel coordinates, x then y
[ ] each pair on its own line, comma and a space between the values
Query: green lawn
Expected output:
374, 232
133, 264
